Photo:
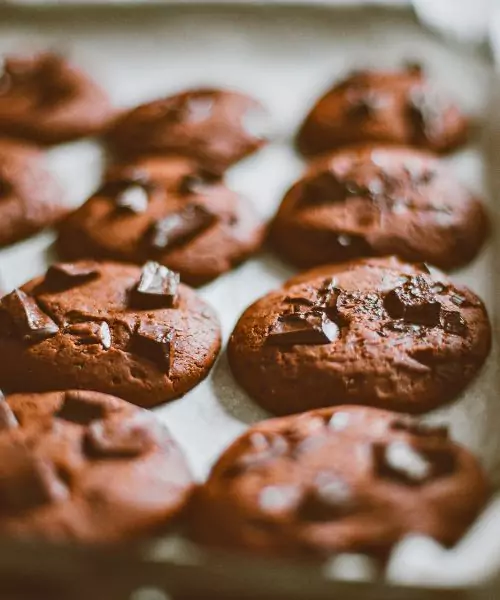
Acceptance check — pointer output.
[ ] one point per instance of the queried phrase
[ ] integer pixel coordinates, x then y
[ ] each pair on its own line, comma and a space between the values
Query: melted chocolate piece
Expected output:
412, 464
157, 288
181, 227
8, 419
155, 343
414, 302
420, 429
119, 438
29, 320
64, 275
134, 198
80, 407
313, 327
453, 322
91, 332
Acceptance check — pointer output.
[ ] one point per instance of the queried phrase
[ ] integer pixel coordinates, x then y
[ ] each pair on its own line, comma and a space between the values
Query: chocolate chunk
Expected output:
329, 497
424, 110
458, 299
181, 227
418, 428
328, 293
28, 481
414, 302
8, 419
133, 198
91, 332
279, 498
157, 288
80, 407
29, 320
64, 275
410, 464
313, 327
155, 343
453, 322
120, 438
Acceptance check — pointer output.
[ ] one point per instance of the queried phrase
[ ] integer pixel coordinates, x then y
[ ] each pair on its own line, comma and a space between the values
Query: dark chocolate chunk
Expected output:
181, 227
91, 332
414, 302
80, 407
134, 199
29, 320
63, 275
7, 417
453, 322
411, 464
119, 438
313, 327
157, 288
458, 299
418, 428
155, 343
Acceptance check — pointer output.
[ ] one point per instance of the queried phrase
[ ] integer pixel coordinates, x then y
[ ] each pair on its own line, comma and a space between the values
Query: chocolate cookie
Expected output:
216, 127
137, 334
395, 107
378, 201
164, 209
30, 198
373, 333
87, 467
338, 480
45, 99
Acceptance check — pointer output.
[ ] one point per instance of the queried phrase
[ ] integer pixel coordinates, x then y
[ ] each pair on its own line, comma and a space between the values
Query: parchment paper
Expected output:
287, 57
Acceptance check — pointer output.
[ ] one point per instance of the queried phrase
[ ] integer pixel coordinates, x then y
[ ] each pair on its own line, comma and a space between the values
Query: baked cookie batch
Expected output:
344, 352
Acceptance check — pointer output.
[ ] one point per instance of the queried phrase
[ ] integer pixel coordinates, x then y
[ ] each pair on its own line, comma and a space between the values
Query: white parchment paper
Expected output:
287, 57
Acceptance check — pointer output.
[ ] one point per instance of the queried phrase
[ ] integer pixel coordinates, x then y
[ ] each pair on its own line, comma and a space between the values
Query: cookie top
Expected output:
216, 127
30, 198
45, 99
165, 209
87, 467
378, 333
349, 479
395, 107
379, 200
137, 334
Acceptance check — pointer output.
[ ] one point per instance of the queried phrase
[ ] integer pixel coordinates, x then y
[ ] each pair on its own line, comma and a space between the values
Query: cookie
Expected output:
45, 99
379, 333
86, 467
118, 329
164, 209
349, 479
394, 107
30, 198
216, 127
379, 201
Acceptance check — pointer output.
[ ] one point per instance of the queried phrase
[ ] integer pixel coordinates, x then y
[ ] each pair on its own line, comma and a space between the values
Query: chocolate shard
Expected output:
181, 227
155, 343
134, 198
64, 275
91, 332
80, 407
453, 322
157, 288
28, 481
313, 327
8, 419
414, 302
418, 428
28, 319
412, 464
120, 438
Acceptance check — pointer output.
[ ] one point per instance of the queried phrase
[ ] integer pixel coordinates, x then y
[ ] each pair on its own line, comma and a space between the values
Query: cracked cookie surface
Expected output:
87, 467
118, 329
378, 201
378, 332
350, 479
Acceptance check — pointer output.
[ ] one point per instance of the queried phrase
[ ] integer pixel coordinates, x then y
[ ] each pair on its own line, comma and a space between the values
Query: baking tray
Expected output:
286, 55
